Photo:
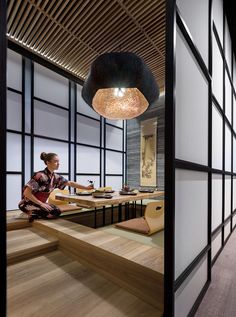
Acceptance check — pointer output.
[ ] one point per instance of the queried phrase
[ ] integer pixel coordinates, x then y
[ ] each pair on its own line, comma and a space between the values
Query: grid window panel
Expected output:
189, 9
27, 158
234, 195
14, 70
113, 162
217, 186
228, 148
234, 72
234, 221
14, 148
188, 292
114, 181
50, 86
88, 160
83, 180
88, 131
228, 47
217, 14
14, 191
216, 245
228, 98
191, 196
114, 138
227, 196
83, 107
118, 123
217, 72
227, 230
48, 146
50, 121
191, 107
234, 158
217, 139
14, 111
234, 112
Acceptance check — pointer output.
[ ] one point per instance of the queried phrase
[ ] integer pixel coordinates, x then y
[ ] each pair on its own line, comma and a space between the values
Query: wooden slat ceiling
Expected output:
72, 33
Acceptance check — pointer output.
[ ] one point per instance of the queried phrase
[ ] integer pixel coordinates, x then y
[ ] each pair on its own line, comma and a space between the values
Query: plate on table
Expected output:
123, 192
84, 193
146, 190
102, 195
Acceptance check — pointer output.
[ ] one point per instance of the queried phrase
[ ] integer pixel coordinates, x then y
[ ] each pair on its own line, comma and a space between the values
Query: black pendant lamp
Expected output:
120, 86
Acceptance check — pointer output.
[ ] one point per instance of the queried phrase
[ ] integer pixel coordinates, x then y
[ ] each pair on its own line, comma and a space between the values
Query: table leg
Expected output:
103, 216
112, 214
119, 212
95, 218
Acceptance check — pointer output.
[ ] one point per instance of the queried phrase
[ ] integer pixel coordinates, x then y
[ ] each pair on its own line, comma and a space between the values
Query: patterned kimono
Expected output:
42, 184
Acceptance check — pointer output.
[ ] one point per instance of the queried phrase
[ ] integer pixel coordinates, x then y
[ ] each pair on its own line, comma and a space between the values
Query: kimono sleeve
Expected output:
62, 181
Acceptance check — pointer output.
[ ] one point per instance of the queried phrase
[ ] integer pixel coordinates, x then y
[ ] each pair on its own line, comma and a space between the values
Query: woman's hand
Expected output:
46, 206
90, 187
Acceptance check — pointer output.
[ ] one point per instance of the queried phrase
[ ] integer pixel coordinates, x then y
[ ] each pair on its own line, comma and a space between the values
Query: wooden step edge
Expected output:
22, 255
18, 224
142, 281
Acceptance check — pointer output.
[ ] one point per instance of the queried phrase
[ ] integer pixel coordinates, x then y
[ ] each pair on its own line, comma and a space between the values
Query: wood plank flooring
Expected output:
28, 242
55, 285
220, 299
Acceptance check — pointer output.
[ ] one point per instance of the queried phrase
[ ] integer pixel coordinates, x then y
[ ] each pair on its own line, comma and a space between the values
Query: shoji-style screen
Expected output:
202, 193
51, 117
14, 129
46, 113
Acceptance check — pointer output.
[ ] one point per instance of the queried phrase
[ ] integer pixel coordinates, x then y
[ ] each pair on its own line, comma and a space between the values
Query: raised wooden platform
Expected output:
136, 267
55, 285
26, 243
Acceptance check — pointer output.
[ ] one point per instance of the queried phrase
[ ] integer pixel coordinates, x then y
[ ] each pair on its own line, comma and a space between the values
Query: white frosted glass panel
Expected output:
83, 180
13, 152
227, 149
234, 221
14, 191
234, 196
14, 70
88, 160
228, 47
113, 138
118, 123
216, 245
50, 86
227, 231
113, 163
60, 148
217, 72
217, 14
228, 98
50, 121
88, 131
191, 107
191, 10
14, 111
188, 292
227, 196
83, 107
216, 201
234, 158
217, 139
234, 73
190, 217
114, 181
27, 158
234, 111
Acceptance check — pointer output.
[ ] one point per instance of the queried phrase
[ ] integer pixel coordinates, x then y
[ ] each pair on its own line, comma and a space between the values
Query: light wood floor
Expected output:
55, 285
220, 299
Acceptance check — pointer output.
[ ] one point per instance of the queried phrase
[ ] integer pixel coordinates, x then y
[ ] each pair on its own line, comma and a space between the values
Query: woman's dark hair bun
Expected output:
43, 156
